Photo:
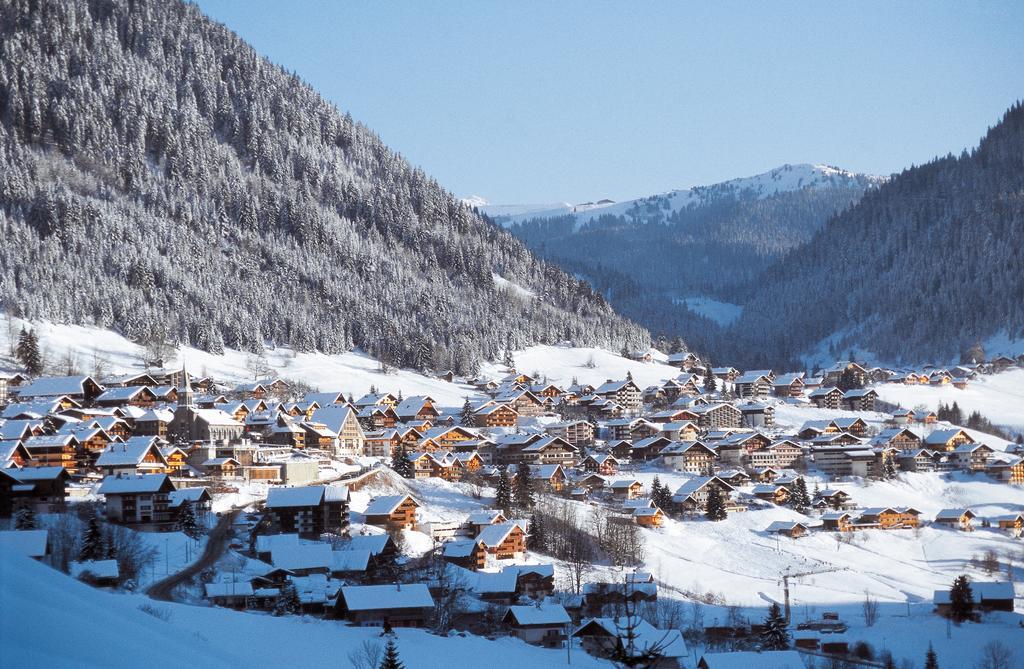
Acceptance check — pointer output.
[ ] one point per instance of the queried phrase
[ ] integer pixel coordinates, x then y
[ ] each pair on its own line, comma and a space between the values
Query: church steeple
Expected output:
186, 397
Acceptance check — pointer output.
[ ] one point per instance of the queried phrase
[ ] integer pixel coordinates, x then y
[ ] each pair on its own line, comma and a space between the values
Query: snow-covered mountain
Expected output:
786, 178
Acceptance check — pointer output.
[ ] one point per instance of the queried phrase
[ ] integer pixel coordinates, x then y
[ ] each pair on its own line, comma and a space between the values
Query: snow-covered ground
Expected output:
999, 397
723, 313
112, 631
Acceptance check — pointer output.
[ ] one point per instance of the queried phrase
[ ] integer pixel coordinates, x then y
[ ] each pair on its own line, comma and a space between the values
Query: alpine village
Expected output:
269, 396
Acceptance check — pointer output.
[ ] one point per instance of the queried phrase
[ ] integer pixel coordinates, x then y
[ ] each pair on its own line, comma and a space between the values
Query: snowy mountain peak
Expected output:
786, 178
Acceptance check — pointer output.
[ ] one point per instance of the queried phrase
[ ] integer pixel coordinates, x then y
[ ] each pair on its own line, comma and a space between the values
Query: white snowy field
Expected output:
99, 629
999, 397
353, 372
723, 313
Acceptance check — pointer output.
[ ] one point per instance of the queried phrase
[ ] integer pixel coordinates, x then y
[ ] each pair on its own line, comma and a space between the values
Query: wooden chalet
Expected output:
398, 605
308, 511
503, 541
392, 512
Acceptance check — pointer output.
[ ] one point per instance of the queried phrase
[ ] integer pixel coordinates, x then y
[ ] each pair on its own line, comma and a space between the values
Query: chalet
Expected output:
43, 489
624, 393
960, 519
917, 460
536, 581
626, 488
198, 497
392, 511
973, 457
602, 463
648, 516
985, 596
688, 456
902, 417
826, 398
835, 439
549, 451
344, 422
714, 416
789, 385
33, 544
1011, 521
79, 388
790, 528
854, 425
577, 432
478, 520
504, 541
829, 498
221, 467
632, 428
901, 438
589, 482
137, 499
14, 454
398, 605
496, 415
308, 511
1009, 470
752, 385
890, 517
737, 448
729, 374
648, 449
540, 625
54, 450
772, 492
154, 422
602, 637
680, 431
319, 436
840, 460
734, 477
302, 559
947, 439
782, 454
757, 414
523, 401
377, 417
418, 407
551, 476
837, 521
683, 360
465, 553
860, 399
673, 416
693, 495
620, 448
137, 396
138, 455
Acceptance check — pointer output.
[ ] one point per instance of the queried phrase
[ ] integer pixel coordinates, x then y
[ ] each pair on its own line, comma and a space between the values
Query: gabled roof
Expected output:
771, 659
133, 485
382, 597
30, 543
386, 505
540, 614
53, 386
492, 535
280, 498
131, 452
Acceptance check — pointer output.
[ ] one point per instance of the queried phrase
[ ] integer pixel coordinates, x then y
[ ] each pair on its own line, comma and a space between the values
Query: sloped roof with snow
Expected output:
30, 543
378, 597
769, 659
279, 498
539, 614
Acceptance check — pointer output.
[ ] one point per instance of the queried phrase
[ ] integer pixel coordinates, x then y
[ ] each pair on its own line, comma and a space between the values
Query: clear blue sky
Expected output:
533, 102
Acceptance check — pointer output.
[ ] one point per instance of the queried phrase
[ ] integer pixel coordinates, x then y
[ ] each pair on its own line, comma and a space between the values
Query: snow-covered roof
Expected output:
230, 589
30, 543
94, 568
667, 643
279, 498
539, 614
769, 659
493, 535
385, 505
981, 590
353, 560
53, 386
127, 485
301, 556
377, 597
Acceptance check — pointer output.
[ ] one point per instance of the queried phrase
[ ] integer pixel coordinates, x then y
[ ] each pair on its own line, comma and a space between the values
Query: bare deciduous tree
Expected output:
367, 655
997, 655
869, 608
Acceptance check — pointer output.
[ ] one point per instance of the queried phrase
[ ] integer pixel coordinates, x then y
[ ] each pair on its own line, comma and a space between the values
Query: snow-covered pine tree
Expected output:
287, 601
93, 542
931, 660
710, 384
655, 490
401, 464
537, 540
391, 660
503, 492
186, 521
28, 352
961, 599
715, 508
25, 519
801, 500
466, 415
775, 635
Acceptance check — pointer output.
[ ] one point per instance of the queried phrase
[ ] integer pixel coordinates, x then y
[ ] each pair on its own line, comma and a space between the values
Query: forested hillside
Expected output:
919, 269
712, 241
161, 178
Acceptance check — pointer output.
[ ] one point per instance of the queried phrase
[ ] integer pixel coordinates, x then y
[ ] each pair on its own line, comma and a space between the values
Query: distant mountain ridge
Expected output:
656, 208
678, 261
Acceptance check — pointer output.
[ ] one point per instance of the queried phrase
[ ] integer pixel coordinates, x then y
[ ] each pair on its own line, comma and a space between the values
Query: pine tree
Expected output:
509, 361
931, 660
801, 500
715, 509
961, 599
503, 492
523, 487
710, 385
775, 635
287, 601
25, 519
28, 352
629, 375
655, 490
538, 538
676, 346
889, 470
391, 660
186, 521
93, 543
466, 416
401, 464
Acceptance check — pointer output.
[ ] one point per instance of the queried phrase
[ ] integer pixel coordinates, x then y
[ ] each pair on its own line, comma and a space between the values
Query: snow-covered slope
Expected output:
101, 629
781, 179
